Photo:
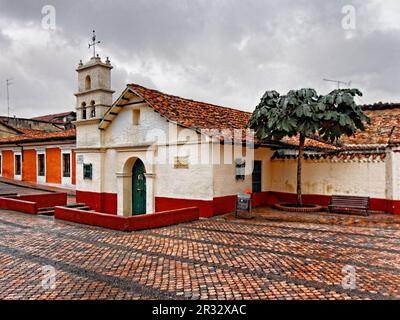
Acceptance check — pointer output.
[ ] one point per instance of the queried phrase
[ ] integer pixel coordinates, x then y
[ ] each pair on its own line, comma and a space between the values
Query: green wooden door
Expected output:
138, 188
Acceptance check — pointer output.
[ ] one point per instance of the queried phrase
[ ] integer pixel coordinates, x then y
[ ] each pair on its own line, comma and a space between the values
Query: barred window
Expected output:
17, 164
66, 165
41, 165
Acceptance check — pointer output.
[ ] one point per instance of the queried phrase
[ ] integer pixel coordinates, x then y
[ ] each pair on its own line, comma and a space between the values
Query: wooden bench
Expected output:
349, 204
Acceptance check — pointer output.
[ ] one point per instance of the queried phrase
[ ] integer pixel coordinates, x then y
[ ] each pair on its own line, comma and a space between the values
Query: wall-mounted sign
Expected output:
181, 162
79, 159
240, 165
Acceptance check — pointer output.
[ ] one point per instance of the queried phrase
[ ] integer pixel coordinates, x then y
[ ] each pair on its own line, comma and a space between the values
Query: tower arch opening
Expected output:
88, 83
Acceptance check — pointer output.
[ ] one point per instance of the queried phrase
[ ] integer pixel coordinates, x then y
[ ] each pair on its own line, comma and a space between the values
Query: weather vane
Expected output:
94, 42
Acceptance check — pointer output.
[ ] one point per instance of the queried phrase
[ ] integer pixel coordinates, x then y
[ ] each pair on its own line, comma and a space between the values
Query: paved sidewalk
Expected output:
373, 220
207, 259
35, 186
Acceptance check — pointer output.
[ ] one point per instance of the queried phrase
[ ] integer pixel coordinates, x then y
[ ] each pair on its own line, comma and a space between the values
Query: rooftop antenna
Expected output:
8, 84
93, 44
338, 82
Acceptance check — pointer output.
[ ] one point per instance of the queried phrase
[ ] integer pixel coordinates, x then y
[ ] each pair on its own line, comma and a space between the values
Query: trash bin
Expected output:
243, 206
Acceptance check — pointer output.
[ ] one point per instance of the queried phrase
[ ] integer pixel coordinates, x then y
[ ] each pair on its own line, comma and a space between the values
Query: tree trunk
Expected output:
299, 167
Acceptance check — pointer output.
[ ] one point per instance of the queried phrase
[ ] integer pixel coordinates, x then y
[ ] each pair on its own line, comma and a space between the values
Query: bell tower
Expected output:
94, 96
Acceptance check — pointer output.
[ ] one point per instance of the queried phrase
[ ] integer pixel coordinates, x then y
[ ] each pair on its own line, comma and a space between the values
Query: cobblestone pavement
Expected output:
7, 188
207, 259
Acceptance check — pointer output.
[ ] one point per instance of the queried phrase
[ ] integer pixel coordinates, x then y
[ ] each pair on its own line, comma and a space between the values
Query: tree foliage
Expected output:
305, 112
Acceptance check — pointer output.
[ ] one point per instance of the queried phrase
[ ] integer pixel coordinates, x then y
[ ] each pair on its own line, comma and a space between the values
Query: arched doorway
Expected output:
138, 188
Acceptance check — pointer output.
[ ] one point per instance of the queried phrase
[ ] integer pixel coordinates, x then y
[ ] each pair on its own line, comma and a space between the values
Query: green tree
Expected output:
304, 113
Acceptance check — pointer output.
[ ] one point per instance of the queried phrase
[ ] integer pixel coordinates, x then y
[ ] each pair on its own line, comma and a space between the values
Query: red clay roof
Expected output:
53, 117
39, 135
205, 117
192, 114
310, 143
384, 128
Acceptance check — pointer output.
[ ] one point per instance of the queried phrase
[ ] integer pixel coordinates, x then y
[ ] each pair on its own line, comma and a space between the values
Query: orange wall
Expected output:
29, 166
73, 155
53, 165
8, 164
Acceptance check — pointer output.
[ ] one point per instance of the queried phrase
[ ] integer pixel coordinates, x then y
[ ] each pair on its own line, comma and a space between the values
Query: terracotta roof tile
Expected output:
193, 114
216, 121
384, 128
53, 117
310, 143
35, 135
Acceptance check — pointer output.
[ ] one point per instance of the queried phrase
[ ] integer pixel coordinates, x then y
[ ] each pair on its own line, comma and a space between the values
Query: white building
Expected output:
148, 151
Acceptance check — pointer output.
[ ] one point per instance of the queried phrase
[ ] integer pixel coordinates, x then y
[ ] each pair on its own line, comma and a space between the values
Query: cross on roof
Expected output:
93, 44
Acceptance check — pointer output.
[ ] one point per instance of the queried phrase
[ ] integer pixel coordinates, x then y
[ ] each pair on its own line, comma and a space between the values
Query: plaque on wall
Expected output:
181, 163
79, 159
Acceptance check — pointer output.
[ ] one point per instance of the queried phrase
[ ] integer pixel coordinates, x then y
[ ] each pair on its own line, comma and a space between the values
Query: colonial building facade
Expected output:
147, 151
40, 157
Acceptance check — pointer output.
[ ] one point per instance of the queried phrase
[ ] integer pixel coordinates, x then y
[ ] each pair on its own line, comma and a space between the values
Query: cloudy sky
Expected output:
227, 52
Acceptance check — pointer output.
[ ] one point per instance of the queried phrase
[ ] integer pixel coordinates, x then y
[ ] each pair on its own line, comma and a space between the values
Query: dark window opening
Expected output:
41, 165
93, 109
88, 83
66, 165
87, 171
257, 176
83, 115
17, 165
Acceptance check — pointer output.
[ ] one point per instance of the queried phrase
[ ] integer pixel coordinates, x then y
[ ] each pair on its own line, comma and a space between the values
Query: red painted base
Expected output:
107, 202
100, 202
46, 200
147, 221
375, 204
18, 205
32, 203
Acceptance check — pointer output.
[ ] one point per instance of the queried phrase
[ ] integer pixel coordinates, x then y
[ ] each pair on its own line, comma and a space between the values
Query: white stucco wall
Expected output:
88, 135
393, 174
122, 131
224, 172
194, 182
95, 184
325, 177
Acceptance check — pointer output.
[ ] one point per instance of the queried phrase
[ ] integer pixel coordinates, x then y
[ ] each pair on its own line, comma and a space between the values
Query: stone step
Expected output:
46, 209
78, 207
46, 213
74, 205
84, 208
7, 195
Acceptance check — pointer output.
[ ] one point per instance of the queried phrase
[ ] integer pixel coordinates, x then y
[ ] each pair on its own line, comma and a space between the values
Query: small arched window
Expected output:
93, 109
83, 110
88, 83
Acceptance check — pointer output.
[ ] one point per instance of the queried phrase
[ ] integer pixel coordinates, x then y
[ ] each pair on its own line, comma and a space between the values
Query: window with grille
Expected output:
41, 165
18, 165
257, 176
66, 165
87, 171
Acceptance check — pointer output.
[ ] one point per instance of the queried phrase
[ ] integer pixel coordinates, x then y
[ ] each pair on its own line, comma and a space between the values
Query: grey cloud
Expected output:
225, 52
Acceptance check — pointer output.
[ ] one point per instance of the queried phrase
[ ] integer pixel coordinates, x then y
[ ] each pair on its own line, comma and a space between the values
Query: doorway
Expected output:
138, 188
